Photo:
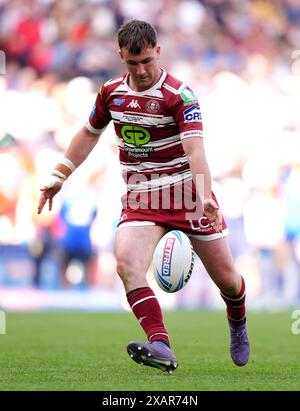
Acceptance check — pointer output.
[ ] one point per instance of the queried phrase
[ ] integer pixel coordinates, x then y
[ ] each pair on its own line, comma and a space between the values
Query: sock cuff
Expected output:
139, 295
136, 289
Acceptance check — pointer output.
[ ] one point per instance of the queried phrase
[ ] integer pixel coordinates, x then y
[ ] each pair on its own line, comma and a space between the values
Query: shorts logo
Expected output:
192, 114
202, 225
134, 104
152, 106
123, 217
135, 135
188, 97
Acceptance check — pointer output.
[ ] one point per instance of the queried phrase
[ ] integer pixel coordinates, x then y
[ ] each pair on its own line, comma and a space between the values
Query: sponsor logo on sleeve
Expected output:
191, 133
93, 111
192, 114
188, 97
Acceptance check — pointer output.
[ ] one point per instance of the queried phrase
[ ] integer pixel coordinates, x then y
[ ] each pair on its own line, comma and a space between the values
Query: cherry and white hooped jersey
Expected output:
149, 126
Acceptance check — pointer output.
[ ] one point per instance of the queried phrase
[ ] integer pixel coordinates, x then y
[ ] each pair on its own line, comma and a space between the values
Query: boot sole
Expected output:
143, 356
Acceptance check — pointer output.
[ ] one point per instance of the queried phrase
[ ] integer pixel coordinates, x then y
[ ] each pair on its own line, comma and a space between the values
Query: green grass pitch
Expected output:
87, 351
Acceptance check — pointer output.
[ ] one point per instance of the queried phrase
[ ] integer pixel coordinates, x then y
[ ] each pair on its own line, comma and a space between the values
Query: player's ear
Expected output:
157, 51
121, 56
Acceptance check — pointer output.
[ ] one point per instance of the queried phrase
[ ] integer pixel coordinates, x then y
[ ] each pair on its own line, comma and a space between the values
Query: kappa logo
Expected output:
134, 104
192, 114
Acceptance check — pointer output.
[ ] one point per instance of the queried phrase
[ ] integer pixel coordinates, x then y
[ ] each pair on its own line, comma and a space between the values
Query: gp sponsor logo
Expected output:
192, 114
135, 135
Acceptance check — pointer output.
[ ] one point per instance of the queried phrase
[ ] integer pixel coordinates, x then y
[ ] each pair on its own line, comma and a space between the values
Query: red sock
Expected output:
146, 308
236, 309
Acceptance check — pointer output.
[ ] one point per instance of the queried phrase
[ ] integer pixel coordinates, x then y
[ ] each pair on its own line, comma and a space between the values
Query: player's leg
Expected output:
134, 250
217, 259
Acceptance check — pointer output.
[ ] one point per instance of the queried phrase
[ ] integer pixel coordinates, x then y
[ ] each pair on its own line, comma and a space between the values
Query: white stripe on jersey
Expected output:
94, 130
191, 133
149, 165
171, 89
141, 119
116, 80
158, 145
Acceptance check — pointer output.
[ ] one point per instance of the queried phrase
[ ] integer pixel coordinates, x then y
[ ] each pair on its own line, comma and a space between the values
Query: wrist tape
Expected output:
68, 163
58, 176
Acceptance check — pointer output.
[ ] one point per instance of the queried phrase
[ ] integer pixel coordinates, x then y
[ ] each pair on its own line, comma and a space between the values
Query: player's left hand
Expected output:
213, 213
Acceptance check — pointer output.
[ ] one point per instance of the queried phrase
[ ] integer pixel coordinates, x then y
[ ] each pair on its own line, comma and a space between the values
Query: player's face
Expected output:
143, 68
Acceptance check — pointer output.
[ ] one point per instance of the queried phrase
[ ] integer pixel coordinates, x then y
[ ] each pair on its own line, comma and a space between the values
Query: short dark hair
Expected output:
136, 35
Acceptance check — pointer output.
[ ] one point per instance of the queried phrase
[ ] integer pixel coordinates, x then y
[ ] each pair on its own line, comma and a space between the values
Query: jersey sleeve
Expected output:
100, 116
187, 114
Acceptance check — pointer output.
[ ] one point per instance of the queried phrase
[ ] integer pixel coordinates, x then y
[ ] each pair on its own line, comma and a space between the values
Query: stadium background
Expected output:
242, 60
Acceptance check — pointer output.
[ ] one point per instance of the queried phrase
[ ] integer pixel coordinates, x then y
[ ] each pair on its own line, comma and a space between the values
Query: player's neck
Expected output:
138, 89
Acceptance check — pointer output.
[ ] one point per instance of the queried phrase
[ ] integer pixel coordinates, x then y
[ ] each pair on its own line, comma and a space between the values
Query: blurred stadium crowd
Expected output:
241, 58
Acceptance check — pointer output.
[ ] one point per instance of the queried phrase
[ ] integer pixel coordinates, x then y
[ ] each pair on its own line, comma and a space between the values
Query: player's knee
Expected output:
231, 284
125, 267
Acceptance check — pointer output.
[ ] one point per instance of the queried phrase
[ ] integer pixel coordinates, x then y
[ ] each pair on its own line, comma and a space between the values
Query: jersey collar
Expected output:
156, 86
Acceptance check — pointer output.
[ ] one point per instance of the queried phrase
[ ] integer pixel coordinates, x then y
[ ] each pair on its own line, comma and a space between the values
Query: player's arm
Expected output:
194, 149
80, 147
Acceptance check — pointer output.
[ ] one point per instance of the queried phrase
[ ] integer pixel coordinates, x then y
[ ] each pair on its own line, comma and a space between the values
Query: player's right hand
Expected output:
213, 213
48, 191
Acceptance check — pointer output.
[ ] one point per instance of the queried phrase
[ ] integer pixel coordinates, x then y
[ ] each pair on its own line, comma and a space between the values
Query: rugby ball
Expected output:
173, 261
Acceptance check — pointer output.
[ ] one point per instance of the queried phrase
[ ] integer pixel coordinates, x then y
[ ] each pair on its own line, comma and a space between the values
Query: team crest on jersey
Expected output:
192, 114
152, 106
134, 104
188, 97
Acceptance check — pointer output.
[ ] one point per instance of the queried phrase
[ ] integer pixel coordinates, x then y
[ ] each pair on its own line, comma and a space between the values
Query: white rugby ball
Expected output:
173, 261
